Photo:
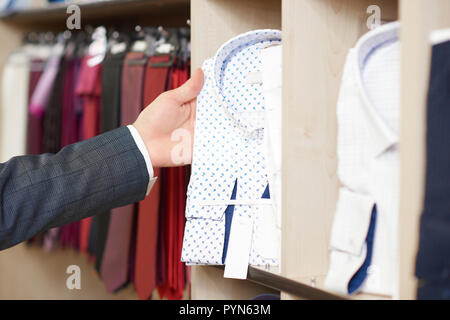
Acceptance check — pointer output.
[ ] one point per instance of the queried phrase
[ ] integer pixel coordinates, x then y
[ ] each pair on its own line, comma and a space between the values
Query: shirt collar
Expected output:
383, 137
265, 37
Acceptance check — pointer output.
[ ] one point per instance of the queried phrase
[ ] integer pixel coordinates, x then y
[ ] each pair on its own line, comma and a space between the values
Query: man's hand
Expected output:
167, 124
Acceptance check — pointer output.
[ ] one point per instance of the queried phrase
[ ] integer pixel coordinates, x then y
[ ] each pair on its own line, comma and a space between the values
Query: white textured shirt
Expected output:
14, 106
230, 145
368, 113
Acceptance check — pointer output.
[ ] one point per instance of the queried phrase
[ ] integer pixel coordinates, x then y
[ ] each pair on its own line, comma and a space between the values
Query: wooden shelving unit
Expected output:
317, 35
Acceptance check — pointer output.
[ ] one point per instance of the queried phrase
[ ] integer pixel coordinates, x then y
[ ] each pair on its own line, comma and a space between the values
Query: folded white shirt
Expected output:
368, 113
231, 146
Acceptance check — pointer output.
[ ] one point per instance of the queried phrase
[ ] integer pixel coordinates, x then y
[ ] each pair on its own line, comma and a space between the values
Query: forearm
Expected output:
45, 191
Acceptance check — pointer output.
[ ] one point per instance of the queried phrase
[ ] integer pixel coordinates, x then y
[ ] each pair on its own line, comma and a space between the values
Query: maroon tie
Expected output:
119, 249
35, 123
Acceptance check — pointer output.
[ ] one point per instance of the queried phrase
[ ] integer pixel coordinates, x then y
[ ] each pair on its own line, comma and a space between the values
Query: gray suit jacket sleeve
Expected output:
44, 191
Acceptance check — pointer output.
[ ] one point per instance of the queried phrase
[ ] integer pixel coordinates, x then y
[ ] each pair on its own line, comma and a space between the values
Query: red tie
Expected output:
148, 216
89, 87
173, 200
119, 246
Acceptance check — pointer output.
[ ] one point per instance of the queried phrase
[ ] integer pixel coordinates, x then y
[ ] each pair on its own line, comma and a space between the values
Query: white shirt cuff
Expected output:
141, 145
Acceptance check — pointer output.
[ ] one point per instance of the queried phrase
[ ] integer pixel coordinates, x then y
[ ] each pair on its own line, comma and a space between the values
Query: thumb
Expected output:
190, 89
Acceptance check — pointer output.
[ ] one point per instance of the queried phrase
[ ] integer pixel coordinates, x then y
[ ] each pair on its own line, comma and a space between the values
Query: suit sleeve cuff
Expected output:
141, 145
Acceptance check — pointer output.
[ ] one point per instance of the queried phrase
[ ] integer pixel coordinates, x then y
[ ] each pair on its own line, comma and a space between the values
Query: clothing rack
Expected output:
93, 8
317, 35
170, 13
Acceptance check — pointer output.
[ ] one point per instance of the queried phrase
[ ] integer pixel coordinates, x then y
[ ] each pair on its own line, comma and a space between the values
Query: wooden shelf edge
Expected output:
59, 10
280, 283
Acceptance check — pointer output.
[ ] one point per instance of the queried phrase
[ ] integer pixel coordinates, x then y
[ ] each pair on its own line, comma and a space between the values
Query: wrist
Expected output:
154, 151
152, 145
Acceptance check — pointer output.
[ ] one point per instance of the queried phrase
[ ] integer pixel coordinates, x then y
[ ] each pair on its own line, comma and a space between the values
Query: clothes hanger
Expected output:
167, 44
184, 52
31, 38
151, 37
118, 42
138, 38
49, 38
98, 47
71, 45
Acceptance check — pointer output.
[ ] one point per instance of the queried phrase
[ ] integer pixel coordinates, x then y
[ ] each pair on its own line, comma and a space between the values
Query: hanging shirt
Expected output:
13, 112
229, 154
364, 245
42, 92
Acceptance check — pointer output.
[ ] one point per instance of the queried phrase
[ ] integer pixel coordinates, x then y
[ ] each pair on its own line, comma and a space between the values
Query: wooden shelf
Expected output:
279, 283
99, 11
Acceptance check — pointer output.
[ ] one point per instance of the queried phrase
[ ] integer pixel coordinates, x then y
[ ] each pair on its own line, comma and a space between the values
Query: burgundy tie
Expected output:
35, 123
119, 245
69, 234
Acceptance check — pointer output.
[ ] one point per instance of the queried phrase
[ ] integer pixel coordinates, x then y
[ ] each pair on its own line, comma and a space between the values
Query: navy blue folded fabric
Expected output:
229, 218
433, 258
358, 278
